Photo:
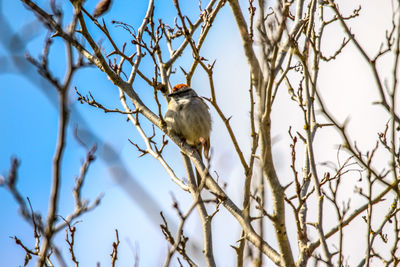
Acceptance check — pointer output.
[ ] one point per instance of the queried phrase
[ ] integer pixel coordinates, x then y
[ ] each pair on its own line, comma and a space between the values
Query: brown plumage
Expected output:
188, 117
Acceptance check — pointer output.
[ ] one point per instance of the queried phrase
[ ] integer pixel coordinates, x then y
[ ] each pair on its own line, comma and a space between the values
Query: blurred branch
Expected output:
50, 22
11, 184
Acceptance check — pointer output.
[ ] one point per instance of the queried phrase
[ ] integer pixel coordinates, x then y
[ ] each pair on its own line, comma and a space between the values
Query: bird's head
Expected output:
182, 90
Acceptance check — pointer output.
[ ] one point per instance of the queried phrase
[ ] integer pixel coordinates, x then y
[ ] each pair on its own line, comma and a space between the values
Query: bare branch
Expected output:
114, 253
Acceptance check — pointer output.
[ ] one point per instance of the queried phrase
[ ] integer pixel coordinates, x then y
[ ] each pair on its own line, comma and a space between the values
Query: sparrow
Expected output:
189, 118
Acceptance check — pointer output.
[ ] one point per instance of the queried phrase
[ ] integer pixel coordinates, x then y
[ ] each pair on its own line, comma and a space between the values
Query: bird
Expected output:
188, 117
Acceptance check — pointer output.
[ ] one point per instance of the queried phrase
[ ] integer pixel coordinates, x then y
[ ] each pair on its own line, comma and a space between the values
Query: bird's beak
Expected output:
173, 93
